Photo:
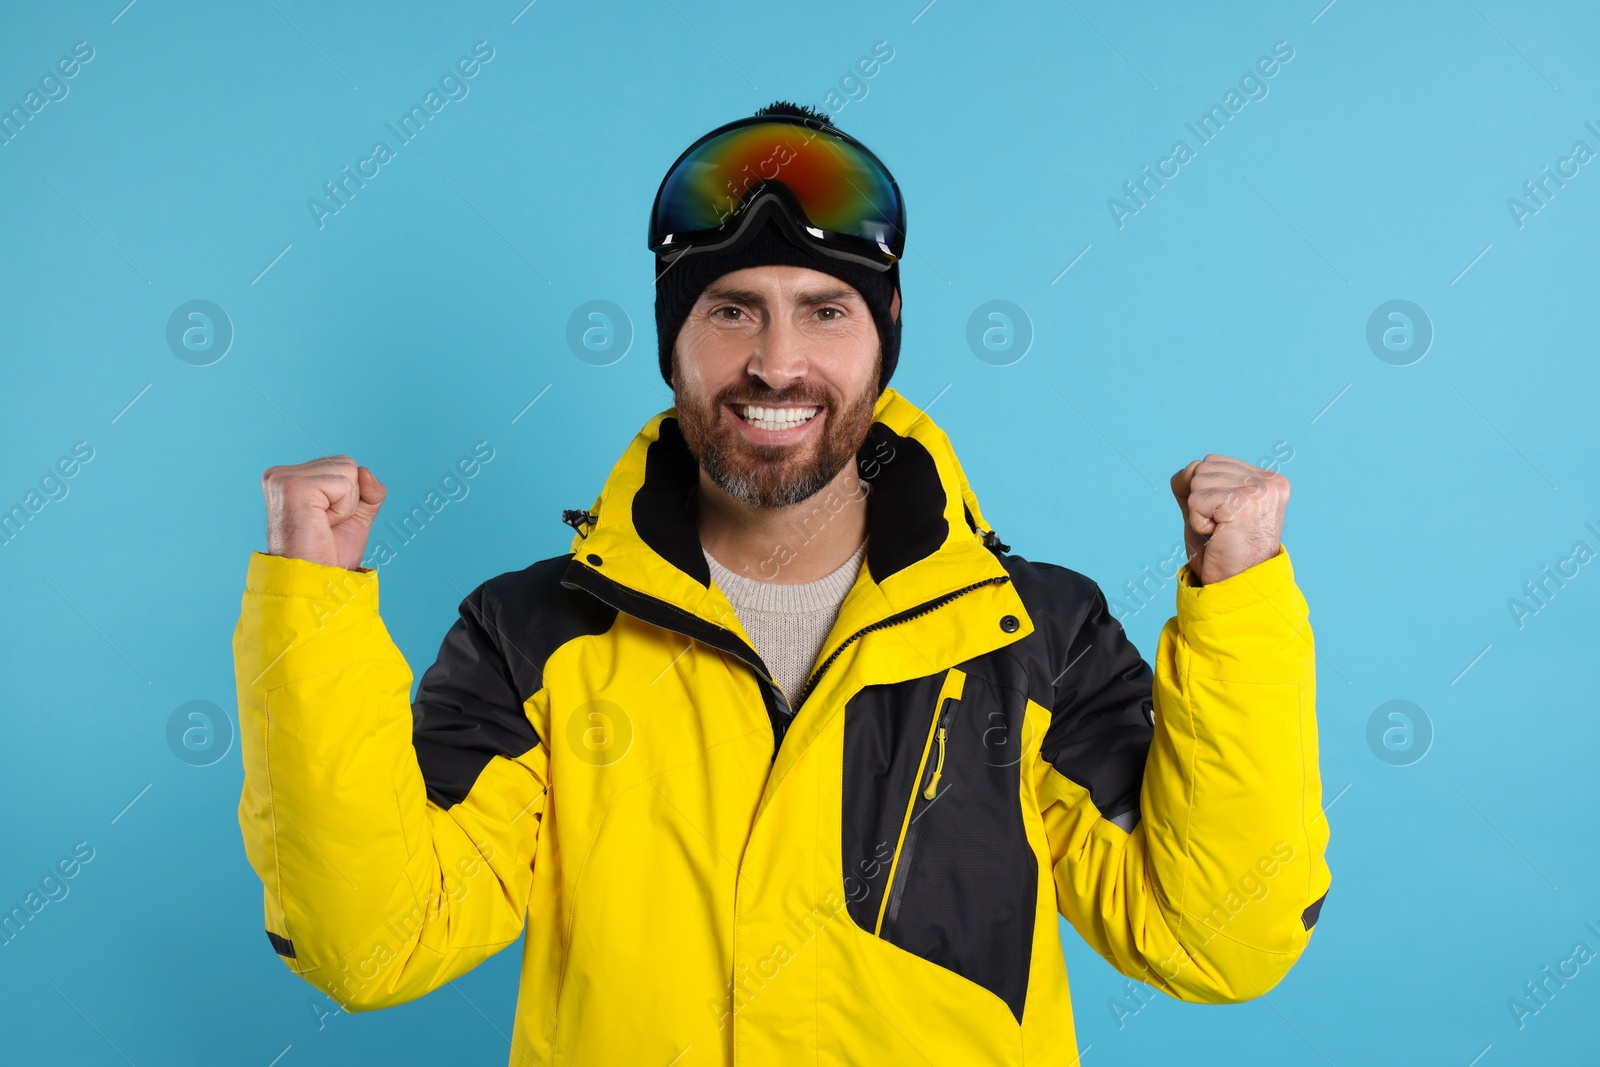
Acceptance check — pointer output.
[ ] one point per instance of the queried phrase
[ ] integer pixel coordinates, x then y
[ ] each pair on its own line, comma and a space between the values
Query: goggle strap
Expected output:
770, 204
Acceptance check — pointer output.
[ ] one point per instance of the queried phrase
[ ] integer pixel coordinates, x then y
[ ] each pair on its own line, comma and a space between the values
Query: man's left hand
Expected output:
1232, 515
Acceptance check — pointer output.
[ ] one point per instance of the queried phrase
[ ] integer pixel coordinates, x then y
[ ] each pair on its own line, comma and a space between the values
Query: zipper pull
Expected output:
933, 783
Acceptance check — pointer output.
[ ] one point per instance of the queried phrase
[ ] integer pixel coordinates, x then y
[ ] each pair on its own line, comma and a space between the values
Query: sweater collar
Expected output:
787, 598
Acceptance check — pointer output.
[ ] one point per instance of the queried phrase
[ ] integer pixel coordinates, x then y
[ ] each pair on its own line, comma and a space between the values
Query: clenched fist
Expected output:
321, 511
1232, 515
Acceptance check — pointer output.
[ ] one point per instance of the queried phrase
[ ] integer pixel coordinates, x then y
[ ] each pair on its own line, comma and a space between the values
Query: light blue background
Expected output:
1225, 316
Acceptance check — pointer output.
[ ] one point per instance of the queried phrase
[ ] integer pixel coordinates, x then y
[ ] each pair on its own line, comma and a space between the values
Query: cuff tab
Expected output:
282, 945
1308, 918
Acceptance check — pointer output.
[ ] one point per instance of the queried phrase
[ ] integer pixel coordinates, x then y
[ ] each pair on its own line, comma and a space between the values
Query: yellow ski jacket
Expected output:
598, 749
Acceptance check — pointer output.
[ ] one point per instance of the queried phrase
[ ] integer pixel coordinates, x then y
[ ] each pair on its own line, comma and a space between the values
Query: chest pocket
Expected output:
935, 856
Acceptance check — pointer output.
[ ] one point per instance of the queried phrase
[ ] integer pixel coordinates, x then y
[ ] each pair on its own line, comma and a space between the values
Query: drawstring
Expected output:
578, 518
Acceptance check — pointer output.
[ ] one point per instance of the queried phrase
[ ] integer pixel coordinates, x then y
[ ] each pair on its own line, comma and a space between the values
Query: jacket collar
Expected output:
639, 548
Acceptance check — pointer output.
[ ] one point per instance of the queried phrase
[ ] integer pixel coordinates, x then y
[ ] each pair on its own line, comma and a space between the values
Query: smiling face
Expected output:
775, 375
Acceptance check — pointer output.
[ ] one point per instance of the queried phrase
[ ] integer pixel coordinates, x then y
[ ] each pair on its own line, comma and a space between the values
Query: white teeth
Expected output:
766, 418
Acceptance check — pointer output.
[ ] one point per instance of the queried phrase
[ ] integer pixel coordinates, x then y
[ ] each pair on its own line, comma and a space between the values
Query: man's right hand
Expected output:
321, 511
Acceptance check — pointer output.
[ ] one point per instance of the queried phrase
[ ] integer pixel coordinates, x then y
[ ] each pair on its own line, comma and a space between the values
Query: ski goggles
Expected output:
832, 191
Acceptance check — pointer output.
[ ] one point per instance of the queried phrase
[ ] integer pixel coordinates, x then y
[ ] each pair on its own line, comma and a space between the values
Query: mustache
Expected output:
796, 394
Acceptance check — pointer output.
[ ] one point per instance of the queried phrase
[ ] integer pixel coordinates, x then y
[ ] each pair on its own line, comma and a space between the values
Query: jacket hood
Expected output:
926, 535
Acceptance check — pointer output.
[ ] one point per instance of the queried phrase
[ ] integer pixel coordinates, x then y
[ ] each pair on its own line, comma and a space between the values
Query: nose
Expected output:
779, 358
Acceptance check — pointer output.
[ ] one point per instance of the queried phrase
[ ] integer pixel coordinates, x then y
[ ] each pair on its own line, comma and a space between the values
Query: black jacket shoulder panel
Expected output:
1096, 685
533, 614
469, 703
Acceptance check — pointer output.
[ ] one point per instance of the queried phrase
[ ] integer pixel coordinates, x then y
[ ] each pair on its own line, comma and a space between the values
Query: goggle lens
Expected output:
841, 187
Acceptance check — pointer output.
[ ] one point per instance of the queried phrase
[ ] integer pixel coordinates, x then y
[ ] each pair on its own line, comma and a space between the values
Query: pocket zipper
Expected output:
933, 783
949, 696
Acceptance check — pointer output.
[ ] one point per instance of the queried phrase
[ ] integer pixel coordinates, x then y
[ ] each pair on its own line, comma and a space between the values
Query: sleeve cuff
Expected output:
1270, 580
282, 576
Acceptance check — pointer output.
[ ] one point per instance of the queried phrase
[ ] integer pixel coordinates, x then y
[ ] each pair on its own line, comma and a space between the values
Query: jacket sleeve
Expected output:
1205, 876
385, 873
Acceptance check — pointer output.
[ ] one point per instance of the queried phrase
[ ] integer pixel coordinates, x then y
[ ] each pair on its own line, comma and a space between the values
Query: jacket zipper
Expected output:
899, 868
749, 655
658, 612
904, 616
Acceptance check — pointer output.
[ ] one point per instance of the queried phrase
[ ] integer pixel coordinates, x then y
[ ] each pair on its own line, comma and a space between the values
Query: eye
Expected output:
719, 311
836, 312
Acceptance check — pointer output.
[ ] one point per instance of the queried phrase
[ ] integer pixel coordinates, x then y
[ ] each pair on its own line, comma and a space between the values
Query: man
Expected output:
789, 760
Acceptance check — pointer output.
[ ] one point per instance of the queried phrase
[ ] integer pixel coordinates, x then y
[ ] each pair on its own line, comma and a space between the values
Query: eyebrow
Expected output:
755, 299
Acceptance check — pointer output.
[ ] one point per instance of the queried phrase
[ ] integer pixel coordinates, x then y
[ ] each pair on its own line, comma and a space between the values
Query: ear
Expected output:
894, 306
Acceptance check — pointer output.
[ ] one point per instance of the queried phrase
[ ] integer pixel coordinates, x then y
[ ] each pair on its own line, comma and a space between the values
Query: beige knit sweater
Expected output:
788, 623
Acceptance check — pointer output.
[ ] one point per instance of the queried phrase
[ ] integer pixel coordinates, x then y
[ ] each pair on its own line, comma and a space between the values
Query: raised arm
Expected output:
386, 873
1183, 806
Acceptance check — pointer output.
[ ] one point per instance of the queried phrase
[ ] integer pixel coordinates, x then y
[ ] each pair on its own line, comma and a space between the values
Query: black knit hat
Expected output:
679, 284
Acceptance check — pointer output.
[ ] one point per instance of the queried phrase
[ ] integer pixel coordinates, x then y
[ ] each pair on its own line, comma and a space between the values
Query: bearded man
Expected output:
790, 759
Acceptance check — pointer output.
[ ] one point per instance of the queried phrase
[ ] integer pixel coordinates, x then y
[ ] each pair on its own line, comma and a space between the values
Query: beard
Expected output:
774, 476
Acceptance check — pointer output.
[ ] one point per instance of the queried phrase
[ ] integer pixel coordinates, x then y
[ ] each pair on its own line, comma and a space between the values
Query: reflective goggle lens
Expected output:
841, 187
